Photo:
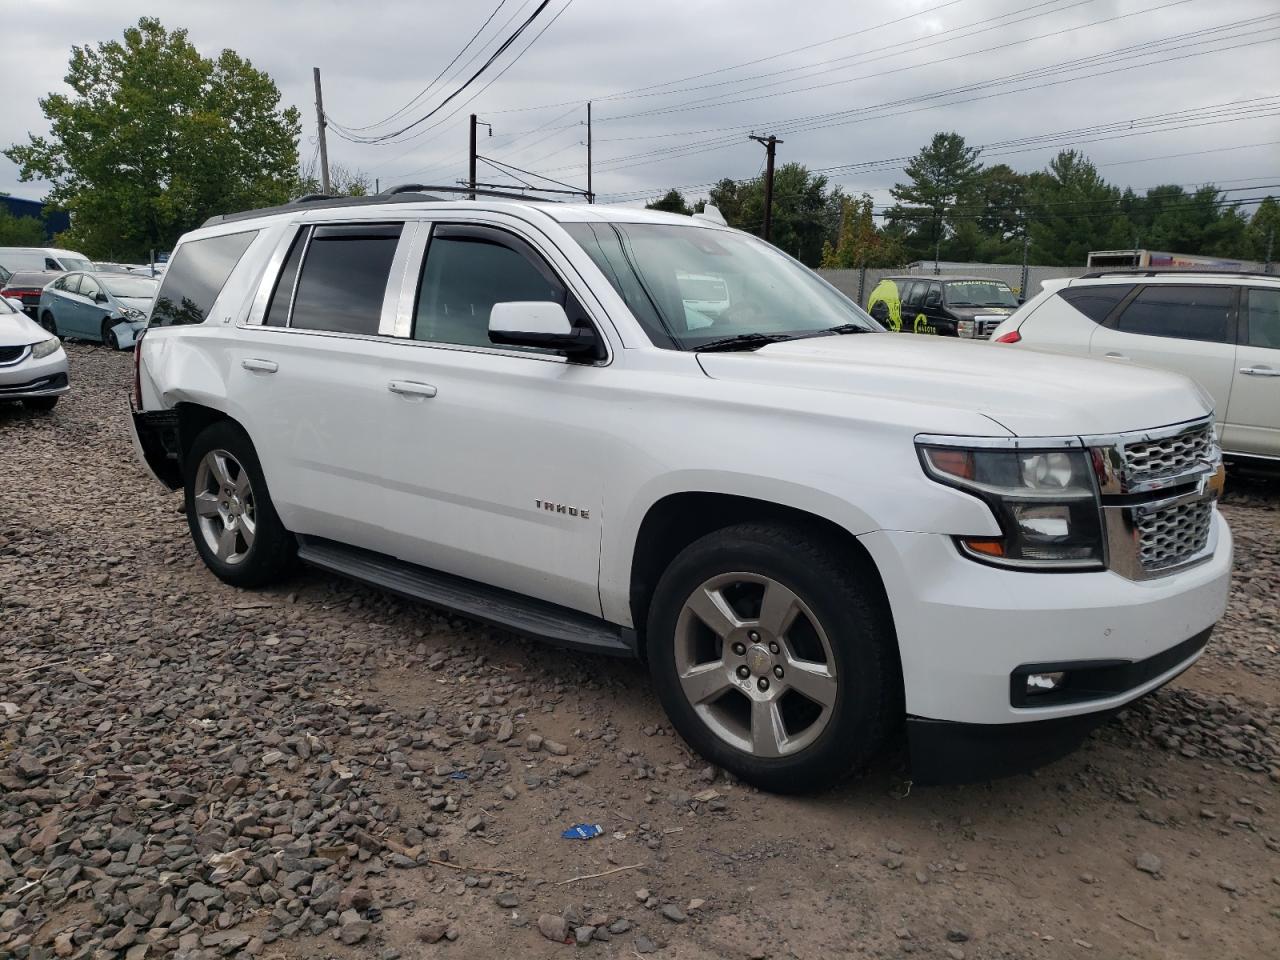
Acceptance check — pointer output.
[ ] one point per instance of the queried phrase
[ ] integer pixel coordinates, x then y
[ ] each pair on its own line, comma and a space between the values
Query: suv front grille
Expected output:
1171, 537
1146, 460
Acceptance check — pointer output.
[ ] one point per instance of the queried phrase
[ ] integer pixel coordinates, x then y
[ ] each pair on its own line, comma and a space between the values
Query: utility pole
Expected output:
1271, 237
471, 164
324, 147
471, 159
770, 143
1026, 243
591, 197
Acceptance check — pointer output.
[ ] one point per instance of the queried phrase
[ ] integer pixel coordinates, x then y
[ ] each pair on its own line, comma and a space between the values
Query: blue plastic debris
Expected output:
458, 775
583, 831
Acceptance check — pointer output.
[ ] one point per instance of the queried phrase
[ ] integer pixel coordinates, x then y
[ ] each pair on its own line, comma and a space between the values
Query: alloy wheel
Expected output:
224, 506
755, 664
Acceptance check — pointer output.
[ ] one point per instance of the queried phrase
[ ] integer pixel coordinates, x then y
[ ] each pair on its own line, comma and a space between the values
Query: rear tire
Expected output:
774, 655
43, 404
234, 526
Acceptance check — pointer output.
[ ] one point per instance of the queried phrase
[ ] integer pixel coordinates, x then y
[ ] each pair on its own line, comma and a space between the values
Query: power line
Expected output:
843, 118
423, 92
502, 48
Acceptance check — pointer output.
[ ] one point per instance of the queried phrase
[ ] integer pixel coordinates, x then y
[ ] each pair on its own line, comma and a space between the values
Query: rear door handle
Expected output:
411, 388
1260, 371
1112, 355
260, 366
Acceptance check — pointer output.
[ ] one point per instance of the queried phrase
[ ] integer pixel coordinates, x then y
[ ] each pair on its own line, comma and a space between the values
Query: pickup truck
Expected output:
812, 531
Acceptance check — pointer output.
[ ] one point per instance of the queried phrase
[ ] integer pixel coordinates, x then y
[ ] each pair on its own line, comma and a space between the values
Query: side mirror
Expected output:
16, 304
536, 323
99, 297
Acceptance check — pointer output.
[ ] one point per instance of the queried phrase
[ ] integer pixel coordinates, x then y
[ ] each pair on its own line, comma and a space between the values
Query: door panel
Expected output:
1253, 419
1186, 329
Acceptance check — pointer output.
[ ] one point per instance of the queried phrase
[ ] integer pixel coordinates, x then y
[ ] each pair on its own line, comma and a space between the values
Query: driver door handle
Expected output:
411, 388
1113, 355
260, 366
1260, 371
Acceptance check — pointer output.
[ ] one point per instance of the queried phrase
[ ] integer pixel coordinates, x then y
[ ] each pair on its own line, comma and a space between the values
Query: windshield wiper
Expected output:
848, 328
743, 341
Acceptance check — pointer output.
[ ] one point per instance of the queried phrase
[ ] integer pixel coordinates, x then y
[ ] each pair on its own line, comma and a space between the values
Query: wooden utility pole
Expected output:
324, 147
471, 159
770, 143
591, 197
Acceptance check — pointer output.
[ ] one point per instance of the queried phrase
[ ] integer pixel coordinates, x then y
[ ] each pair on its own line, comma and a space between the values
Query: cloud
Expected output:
654, 128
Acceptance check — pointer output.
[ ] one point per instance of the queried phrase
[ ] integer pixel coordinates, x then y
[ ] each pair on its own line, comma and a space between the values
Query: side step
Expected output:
503, 608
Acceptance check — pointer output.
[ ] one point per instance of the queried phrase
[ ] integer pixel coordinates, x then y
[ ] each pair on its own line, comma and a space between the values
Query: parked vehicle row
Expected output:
651, 435
14, 259
969, 307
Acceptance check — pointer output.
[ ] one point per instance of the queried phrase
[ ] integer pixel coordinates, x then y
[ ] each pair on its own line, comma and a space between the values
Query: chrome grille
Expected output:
1170, 537
11, 355
1146, 460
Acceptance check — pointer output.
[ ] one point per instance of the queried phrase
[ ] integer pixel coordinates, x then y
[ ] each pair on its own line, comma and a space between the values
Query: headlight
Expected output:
45, 347
1046, 502
131, 314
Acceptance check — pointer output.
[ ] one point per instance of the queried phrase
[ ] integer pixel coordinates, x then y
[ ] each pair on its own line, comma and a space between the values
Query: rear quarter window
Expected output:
195, 276
1096, 302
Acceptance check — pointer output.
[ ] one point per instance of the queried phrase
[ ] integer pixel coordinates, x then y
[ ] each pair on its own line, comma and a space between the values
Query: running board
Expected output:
502, 608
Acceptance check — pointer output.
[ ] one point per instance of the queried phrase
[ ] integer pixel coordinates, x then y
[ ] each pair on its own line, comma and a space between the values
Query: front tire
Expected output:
234, 526
773, 655
109, 335
41, 404
50, 324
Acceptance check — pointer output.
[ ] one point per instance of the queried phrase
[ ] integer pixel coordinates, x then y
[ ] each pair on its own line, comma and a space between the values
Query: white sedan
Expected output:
33, 366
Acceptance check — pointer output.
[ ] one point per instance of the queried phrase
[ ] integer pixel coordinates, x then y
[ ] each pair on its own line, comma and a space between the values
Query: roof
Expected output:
395, 203
31, 276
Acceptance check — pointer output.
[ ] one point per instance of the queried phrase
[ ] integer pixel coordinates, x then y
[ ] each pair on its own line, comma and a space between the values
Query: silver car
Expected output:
109, 307
33, 366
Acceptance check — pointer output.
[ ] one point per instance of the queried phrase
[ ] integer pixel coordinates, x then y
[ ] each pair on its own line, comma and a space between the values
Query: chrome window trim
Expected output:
998, 443
393, 294
270, 274
589, 303
415, 252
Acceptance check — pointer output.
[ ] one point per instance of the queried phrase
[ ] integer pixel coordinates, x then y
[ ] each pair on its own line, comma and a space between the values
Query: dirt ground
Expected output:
142, 701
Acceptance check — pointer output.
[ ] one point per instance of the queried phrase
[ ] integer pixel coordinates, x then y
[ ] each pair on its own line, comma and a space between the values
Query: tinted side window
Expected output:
277, 314
1185, 313
344, 278
934, 297
195, 276
1096, 302
915, 294
464, 276
1264, 318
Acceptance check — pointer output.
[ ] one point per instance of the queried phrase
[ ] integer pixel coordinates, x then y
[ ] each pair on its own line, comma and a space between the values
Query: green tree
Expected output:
938, 177
806, 214
1072, 211
155, 138
672, 201
859, 243
20, 231
343, 181
1263, 232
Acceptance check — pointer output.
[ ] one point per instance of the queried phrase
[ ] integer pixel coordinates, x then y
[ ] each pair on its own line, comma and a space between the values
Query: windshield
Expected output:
690, 286
142, 288
76, 263
980, 293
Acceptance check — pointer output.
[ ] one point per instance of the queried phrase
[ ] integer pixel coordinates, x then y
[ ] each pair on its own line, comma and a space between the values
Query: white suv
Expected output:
1220, 329
543, 416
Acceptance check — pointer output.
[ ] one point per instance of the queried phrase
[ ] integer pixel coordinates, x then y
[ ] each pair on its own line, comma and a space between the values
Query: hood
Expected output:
136, 303
17, 330
972, 313
1030, 394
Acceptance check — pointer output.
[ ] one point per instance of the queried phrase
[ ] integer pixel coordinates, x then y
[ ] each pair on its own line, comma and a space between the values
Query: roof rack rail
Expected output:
403, 193
420, 187
1175, 271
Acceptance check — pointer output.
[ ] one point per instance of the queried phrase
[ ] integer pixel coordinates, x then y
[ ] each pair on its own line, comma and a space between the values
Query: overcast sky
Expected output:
678, 85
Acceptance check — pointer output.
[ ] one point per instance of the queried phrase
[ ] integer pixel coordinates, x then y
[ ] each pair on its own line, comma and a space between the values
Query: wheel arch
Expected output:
678, 519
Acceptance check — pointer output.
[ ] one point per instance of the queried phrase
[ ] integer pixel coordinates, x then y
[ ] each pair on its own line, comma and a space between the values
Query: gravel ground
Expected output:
323, 770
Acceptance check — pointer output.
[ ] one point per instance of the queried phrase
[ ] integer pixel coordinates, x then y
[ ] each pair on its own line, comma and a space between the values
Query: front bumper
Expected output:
965, 629
45, 377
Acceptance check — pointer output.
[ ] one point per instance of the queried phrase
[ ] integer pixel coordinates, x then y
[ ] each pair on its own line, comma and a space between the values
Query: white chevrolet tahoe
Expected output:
810, 529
